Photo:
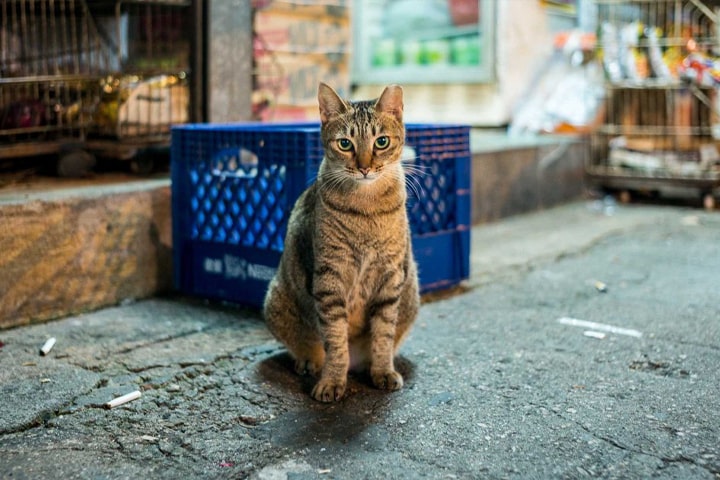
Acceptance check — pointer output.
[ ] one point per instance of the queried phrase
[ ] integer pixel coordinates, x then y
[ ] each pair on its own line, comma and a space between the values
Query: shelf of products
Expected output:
662, 72
405, 41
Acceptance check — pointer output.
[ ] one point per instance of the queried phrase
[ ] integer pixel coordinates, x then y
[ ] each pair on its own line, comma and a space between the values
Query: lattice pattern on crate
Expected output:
238, 181
247, 209
432, 176
434, 210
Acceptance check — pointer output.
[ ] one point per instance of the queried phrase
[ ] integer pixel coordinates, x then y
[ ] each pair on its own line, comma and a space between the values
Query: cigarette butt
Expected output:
49, 344
601, 287
594, 334
45, 380
128, 397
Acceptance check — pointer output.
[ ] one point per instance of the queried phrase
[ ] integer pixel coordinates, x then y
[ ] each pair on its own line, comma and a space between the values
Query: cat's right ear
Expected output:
330, 103
391, 101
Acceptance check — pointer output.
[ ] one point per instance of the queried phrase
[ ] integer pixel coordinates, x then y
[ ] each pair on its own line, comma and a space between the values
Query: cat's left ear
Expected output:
391, 101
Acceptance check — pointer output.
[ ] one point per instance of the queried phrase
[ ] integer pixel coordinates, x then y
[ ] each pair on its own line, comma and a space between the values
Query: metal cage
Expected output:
51, 56
102, 76
660, 123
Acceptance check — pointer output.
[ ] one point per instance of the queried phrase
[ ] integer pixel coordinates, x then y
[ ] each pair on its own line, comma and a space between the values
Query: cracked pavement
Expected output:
495, 386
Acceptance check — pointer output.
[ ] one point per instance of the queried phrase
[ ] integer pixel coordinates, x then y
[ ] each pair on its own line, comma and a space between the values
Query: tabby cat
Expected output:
346, 292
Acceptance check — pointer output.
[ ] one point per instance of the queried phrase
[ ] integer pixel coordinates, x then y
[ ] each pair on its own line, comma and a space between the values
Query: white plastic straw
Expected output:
600, 327
128, 397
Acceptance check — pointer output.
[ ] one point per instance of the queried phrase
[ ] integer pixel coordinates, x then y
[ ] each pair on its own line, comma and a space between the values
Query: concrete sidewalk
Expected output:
501, 381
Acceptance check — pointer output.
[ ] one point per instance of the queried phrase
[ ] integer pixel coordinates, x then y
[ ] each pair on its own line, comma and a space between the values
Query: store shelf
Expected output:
661, 111
439, 33
387, 50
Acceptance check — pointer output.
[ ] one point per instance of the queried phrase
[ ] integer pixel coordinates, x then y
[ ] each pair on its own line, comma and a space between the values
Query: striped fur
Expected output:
346, 292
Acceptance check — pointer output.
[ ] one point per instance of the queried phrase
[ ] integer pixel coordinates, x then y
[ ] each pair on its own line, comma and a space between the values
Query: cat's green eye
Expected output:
344, 144
382, 143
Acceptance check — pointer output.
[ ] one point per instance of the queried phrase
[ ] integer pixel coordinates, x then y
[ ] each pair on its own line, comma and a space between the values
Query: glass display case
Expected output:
423, 41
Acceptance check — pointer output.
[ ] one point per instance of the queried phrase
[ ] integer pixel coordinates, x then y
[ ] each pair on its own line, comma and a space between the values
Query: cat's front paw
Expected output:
309, 367
388, 380
329, 389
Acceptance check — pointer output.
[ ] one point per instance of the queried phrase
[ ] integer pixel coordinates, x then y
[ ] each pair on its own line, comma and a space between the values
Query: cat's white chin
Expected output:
366, 180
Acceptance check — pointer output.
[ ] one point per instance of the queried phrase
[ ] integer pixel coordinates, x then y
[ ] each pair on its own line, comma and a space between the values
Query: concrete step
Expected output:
516, 175
68, 250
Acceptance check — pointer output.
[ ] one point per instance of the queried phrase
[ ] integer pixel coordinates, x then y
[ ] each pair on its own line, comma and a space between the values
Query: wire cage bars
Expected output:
103, 76
661, 122
149, 91
51, 56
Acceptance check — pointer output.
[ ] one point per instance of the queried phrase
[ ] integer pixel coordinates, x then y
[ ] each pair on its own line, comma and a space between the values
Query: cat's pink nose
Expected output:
364, 171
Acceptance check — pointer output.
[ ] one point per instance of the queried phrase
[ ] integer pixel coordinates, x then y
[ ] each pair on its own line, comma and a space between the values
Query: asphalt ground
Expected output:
503, 377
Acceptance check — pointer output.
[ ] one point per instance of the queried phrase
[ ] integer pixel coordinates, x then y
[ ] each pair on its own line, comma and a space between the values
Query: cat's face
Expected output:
363, 140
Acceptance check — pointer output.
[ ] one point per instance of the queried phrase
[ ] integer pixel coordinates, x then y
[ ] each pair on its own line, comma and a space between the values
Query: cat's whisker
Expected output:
413, 178
414, 186
411, 181
328, 181
415, 168
334, 180
416, 176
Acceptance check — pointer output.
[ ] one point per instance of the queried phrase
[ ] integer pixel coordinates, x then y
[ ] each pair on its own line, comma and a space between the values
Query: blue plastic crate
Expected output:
233, 187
